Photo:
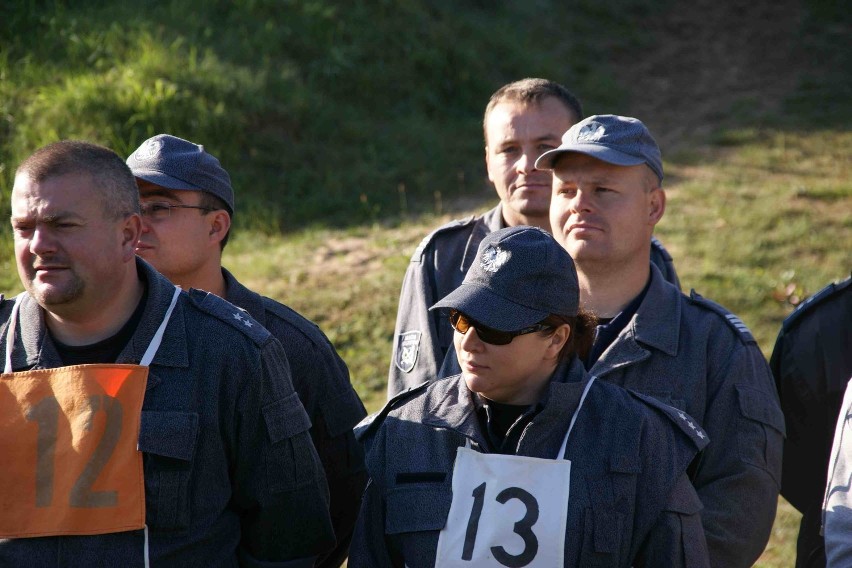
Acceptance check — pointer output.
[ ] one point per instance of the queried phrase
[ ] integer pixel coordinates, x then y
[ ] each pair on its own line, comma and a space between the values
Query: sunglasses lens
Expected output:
462, 324
493, 336
459, 322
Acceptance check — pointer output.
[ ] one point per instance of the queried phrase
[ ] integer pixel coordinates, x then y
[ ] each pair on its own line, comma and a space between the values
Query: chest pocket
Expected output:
291, 460
168, 441
612, 498
414, 516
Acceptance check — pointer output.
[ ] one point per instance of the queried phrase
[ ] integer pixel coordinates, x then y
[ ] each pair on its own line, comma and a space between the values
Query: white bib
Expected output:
508, 510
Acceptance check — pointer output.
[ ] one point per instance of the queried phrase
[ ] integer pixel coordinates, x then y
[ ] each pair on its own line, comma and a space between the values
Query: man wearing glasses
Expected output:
187, 205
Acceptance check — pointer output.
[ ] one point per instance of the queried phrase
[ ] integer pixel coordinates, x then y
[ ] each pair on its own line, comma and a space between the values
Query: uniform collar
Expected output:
656, 324
657, 320
449, 404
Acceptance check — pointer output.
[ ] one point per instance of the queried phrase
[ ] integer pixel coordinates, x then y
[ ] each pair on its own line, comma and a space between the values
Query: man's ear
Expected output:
656, 205
487, 166
220, 224
131, 230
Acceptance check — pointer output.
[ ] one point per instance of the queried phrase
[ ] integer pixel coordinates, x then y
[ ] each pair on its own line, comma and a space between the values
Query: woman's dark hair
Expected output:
582, 333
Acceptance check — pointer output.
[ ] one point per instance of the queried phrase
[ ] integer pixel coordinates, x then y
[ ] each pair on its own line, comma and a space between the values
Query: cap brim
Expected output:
490, 309
546, 160
164, 180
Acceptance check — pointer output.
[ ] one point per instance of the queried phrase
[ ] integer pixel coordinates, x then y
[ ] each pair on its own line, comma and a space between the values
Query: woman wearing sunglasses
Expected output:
523, 459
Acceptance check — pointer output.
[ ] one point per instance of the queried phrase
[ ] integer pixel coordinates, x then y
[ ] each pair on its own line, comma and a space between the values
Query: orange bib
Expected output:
69, 457
68, 441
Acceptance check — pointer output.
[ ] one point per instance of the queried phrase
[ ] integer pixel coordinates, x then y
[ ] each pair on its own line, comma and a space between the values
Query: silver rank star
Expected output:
245, 321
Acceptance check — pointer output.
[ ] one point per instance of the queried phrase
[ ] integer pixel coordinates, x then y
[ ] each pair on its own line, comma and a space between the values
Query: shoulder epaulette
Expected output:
287, 313
236, 317
733, 321
368, 426
829, 291
307, 328
451, 226
686, 423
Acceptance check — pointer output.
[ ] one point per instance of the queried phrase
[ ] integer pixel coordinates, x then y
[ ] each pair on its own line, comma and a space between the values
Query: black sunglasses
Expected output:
461, 323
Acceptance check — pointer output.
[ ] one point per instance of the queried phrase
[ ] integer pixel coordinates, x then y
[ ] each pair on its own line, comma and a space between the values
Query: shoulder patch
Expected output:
368, 426
686, 423
829, 291
733, 321
449, 227
223, 310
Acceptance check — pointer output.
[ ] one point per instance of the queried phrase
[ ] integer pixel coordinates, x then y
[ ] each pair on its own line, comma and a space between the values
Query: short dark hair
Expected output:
532, 91
582, 333
210, 201
112, 179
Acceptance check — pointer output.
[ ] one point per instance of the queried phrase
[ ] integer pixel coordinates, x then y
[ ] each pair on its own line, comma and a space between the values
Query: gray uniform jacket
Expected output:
812, 362
838, 496
693, 354
438, 266
231, 475
321, 380
631, 503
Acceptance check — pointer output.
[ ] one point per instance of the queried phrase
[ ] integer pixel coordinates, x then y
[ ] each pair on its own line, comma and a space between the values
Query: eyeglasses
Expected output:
461, 323
160, 210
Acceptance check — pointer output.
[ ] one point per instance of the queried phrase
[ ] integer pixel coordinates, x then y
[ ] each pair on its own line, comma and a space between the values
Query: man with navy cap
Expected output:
684, 350
187, 205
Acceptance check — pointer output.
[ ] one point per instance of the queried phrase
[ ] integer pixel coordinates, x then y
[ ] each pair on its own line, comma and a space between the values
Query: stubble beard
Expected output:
56, 294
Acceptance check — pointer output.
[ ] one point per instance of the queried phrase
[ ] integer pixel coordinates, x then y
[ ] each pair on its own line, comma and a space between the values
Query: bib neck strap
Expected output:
10, 333
147, 358
561, 454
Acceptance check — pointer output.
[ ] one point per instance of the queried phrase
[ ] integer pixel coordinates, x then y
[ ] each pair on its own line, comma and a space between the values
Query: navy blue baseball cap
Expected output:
175, 163
619, 140
521, 276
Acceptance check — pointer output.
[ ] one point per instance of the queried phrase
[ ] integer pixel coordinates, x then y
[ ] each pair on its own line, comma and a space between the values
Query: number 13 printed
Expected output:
522, 528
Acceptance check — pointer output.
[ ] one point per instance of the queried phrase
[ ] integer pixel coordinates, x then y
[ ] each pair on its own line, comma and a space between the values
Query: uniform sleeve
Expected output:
416, 355
838, 495
279, 486
341, 455
806, 418
677, 539
738, 475
369, 548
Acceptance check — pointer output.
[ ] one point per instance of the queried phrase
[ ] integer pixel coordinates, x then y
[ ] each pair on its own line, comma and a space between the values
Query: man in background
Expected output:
522, 120
140, 423
187, 207
683, 350
812, 363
